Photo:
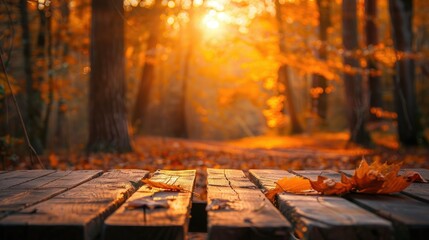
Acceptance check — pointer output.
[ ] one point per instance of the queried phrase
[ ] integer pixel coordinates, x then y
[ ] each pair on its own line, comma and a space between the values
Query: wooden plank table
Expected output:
92, 204
238, 210
10, 179
41, 187
162, 223
74, 214
408, 211
323, 217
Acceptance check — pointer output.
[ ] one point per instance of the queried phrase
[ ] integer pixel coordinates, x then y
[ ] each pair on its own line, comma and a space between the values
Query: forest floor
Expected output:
316, 151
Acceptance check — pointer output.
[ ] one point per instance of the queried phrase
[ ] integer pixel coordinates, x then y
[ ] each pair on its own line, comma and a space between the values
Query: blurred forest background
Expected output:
299, 80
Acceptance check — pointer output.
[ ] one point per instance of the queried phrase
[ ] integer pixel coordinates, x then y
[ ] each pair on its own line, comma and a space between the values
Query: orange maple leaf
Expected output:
289, 184
329, 186
164, 186
379, 178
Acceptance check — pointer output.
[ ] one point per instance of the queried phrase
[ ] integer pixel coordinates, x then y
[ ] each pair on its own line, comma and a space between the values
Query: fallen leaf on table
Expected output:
289, 184
413, 176
147, 203
379, 178
367, 179
164, 186
329, 186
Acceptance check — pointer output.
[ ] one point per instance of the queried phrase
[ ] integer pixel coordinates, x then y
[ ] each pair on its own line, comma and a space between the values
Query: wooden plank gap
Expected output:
162, 223
237, 209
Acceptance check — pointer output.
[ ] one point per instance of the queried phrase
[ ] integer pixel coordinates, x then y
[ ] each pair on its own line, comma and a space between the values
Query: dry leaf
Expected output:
289, 184
329, 186
366, 179
53, 160
164, 186
147, 203
413, 176
379, 178
394, 183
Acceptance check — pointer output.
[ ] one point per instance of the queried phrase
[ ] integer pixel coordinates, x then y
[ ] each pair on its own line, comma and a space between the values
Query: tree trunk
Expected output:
283, 75
50, 63
148, 73
409, 128
108, 128
61, 136
356, 107
185, 79
34, 101
320, 103
374, 80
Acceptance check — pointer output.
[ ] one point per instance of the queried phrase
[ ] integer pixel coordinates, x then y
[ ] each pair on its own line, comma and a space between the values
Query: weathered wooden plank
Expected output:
39, 189
162, 223
13, 178
410, 216
323, 217
418, 191
244, 212
74, 214
266, 178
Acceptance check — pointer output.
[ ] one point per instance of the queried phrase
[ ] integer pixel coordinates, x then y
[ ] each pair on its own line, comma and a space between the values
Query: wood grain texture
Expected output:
419, 191
410, 217
250, 215
42, 188
267, 178
163, 223
324, 217
75, 214
10, 179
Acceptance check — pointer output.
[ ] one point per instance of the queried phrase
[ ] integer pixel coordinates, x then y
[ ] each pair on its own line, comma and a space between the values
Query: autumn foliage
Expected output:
329, 186
289, 184
376, 178
379, 178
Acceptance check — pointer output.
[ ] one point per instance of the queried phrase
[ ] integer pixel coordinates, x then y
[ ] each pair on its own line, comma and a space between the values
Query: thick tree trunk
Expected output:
283, 75
320, 103
108, 129
356, 107
409, 128
34, 101
374, 80
50, 64
148, 73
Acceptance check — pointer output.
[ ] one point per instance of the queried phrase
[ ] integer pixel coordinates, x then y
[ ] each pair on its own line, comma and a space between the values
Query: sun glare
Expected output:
212, 20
